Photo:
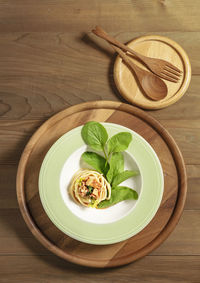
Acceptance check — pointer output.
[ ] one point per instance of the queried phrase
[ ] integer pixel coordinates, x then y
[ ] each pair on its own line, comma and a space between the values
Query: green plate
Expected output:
100, 226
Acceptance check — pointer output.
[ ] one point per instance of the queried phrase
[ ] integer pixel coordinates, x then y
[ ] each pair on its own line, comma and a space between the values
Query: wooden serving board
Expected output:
154, 46
102, 255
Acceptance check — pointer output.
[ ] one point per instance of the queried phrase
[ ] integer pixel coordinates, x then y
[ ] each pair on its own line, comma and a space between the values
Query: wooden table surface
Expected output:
49, 60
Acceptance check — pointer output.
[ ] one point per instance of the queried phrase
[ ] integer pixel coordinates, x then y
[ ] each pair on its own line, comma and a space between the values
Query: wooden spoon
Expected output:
153, 86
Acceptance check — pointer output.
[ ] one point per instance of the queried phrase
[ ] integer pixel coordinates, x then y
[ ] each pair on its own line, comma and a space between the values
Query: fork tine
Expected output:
167, 73
166, 77
170, 75
166, 68
168, 64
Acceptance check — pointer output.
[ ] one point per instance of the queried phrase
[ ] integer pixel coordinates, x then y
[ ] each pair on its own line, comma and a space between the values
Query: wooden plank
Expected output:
193, 196
20, 48
187, 134
8, 195
12, 224
52, 15
185, 239
52, 269
39, 77
15, 135
8, 198
15, 238
22, 246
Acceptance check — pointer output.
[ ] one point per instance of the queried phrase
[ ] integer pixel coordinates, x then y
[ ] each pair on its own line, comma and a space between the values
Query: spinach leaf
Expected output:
119, 178
94, 135
90, 190
116, 166
118, 194
119, 142
97, 161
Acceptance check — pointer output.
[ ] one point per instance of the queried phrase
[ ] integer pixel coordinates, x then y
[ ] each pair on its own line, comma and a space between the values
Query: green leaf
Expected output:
118, 194
119, 178
94, 135
90, 190
116, 166
95, 160
119, 142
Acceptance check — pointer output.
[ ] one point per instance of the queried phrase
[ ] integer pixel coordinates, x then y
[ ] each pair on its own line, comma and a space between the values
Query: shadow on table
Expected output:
94, 44
24, 244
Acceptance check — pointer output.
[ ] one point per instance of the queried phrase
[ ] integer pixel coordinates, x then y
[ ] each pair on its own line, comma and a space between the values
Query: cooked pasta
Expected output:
89, 188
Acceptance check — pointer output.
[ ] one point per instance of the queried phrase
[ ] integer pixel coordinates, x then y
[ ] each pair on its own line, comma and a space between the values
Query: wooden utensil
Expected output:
152, 85
160, 67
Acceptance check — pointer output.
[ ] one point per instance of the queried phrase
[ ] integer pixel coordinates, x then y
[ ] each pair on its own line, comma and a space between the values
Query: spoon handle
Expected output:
137, 70
101, 33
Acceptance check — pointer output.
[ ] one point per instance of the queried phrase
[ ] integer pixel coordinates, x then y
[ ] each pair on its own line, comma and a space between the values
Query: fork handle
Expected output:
101, 33
138, 71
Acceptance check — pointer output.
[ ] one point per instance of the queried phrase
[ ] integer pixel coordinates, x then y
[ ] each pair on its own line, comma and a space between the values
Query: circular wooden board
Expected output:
102, 255
156, 47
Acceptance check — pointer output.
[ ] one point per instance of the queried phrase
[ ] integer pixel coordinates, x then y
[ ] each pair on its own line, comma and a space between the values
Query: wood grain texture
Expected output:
51, 15
124, 252
45, 48
15, 135
53, 269
16, 239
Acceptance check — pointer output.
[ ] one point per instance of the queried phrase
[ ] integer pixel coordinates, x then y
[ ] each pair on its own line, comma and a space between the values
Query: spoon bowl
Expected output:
153, 86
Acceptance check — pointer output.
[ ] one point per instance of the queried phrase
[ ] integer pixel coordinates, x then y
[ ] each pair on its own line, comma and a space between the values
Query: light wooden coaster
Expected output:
166, 218
156, 47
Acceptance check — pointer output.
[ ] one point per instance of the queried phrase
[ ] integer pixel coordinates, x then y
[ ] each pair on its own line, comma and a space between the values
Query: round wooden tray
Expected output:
102, 255
156, 47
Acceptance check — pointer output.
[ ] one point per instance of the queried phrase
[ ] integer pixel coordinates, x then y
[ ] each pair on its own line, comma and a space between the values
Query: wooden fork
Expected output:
160, 67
